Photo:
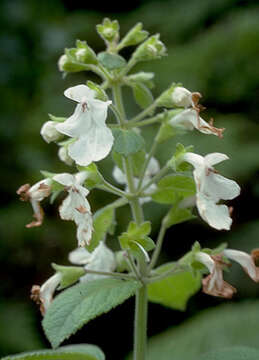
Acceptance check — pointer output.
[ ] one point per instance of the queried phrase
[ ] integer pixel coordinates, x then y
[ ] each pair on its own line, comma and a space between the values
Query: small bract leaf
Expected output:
70, 274
133, 37
142, 95
81, 303
177, 215
71, 352
127, 142
111, 61
104, 219
171, 188
175, 290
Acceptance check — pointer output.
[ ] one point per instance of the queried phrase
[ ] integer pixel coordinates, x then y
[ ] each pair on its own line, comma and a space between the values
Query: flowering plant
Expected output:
101, 278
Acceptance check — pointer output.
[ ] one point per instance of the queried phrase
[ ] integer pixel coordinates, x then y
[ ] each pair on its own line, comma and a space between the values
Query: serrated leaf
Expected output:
171, 188
103, 220
111, 61
71, 352
177, 215
232, 353
142, 95
175, 290
81, 303
127, 142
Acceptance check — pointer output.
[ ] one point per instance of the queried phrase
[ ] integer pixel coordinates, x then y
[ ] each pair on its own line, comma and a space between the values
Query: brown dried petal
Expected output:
222, 289
23, 191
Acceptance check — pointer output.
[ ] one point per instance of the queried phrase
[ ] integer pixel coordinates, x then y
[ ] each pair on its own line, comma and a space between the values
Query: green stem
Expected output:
158, 246
144, 113
140, 328
140, 324
175, 270
113, 189
157, 177
149, 121
143, 170
111, 274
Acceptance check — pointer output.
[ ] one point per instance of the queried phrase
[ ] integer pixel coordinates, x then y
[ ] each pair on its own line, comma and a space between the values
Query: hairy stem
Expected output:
158, 247
140, 323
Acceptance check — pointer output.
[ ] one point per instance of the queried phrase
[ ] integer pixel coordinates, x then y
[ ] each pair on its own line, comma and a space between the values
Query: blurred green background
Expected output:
213, 48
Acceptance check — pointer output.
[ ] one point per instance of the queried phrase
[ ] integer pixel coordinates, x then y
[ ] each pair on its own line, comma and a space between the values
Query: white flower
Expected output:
75, 206
62, 61
35, 195
182, 97
101, 259
152, 168
63, 156
214, 284
246, 261
211, 188
49, 131
93, 139
43, 295
189, 119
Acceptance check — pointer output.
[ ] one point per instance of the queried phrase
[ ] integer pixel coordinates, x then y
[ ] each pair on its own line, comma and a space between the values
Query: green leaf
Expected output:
71, 352
70, 274
171, 188
177, 215
177, 163
175, 290
93, 177
219, 327
111, 61
137, 235
81, 303
104, 220
232, 353
142, 95
127, 142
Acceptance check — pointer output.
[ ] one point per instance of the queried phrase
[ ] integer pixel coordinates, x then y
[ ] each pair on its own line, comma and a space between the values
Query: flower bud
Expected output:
151, 49
49, 132
135, 36
63, 156
182, 97
108, 30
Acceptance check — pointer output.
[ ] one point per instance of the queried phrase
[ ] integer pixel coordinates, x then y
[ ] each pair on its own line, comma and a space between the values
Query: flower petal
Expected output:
79, 93
47, 291
93, 146
118, 175
217, 216
79, 256
80, 122
102, 259
64, 179
245, 260
218, 187
215, 158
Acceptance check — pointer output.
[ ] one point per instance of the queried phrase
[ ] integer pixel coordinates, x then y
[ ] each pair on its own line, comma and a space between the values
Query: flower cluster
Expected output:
214, 283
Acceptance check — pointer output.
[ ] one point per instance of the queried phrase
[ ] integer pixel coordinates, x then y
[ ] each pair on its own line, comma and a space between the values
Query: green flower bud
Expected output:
151, 49
166, 98
135, 36
108, 30
142, 77
67, 64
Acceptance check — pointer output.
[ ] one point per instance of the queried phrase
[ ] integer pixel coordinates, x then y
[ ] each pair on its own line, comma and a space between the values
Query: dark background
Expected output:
213, 48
